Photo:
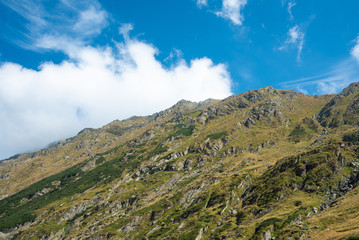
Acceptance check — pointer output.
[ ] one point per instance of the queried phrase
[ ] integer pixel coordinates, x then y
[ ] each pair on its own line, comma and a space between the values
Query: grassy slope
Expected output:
53, 160
340, 221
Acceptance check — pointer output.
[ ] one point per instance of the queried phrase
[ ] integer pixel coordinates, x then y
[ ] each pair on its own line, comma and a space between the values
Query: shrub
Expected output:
215, 199
217, 135
354, 236
297, 134
184, 131
351, 137
266, 223
240, 217
100, 160
158, 150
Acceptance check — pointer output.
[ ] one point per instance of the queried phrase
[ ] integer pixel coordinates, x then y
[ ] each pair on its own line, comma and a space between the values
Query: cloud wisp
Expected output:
330, 82
201, 3
48, 26
95, 85
295, 37
290, 6
231, 10
334, 80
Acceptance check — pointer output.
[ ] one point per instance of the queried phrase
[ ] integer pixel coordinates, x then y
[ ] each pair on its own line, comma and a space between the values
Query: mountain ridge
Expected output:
117, 128
256, 165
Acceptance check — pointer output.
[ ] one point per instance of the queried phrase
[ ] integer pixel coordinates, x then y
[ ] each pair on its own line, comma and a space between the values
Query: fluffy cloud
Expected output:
231, 9
355, 50
94, 87
295, 38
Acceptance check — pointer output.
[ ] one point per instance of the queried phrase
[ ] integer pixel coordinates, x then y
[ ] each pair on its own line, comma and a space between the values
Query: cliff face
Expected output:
257, 165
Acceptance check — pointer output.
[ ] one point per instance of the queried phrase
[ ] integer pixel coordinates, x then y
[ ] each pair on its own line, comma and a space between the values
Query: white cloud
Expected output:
231, 9
201, 3
94, 87
295, 38
355, 50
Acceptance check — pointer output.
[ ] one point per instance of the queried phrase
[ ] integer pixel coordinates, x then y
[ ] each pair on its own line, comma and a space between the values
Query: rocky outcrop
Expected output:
270, 112
317, 171
342, 109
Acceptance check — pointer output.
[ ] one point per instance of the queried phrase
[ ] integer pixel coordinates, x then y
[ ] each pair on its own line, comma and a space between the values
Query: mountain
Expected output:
22, 170
265, 164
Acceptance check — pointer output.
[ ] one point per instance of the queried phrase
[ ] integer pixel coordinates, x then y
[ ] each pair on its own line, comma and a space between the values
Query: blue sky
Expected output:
66, 65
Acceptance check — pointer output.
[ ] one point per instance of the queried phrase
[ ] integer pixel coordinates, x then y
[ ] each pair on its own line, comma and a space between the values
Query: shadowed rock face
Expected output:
342, 109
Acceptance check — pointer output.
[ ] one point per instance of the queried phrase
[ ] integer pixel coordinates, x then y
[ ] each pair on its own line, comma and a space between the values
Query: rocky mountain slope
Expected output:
22, 170
264, 164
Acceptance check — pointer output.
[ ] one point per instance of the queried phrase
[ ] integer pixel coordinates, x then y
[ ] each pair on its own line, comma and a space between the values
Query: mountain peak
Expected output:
353, 88
342, 109
268, 89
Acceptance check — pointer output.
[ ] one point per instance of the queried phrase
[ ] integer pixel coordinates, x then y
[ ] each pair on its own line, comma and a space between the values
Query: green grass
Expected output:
354, 236
179, 126
158, 150
191, 234
217, 135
